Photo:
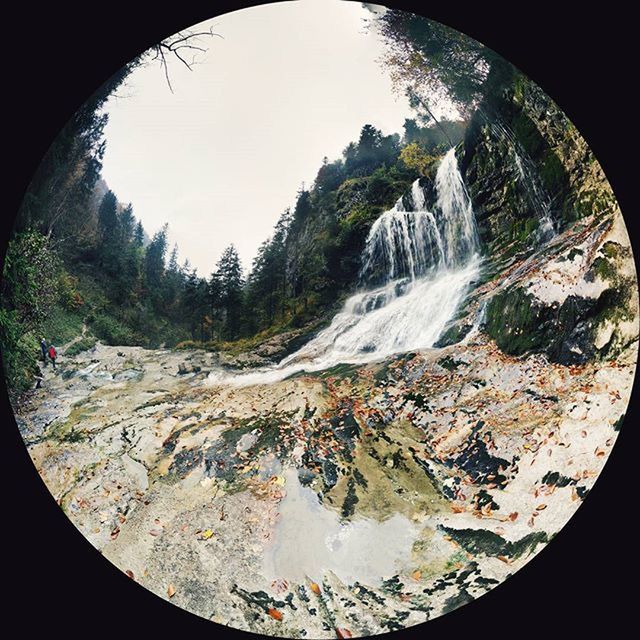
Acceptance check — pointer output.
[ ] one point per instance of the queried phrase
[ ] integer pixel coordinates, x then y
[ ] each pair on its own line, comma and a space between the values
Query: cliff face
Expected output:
574, 298
521, 157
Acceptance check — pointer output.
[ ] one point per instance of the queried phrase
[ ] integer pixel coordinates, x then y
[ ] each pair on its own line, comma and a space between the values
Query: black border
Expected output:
55, 55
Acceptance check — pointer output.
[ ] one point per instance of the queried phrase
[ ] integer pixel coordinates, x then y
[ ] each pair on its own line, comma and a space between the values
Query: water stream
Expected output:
417, 266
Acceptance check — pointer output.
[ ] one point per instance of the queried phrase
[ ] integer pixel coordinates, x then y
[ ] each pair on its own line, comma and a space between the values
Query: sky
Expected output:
223, 156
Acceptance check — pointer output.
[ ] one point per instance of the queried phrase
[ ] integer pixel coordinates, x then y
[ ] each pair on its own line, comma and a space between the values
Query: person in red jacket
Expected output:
53, 354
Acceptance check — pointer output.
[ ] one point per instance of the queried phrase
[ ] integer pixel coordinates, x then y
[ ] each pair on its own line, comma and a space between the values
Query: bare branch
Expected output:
165, 50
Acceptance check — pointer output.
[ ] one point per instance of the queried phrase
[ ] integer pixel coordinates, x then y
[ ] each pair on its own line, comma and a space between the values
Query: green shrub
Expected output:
113, 332
84, 344
20, 359
62, 325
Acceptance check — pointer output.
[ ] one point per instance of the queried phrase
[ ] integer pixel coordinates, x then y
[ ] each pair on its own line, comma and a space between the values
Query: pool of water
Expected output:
311, 539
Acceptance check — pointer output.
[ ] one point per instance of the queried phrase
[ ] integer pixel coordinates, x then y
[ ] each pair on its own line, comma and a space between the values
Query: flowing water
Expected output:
530, 179
417, 266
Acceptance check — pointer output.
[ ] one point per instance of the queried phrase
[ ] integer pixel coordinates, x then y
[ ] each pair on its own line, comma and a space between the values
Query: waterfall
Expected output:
529, 178
416, 269
411, 244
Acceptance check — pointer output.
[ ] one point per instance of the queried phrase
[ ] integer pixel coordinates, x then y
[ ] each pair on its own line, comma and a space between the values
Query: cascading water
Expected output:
416, 269
529, 177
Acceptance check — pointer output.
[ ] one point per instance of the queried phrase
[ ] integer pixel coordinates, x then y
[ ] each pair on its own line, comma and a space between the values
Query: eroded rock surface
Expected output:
267, 508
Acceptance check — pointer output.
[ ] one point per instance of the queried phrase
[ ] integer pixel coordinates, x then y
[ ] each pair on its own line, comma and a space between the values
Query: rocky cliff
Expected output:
570, 293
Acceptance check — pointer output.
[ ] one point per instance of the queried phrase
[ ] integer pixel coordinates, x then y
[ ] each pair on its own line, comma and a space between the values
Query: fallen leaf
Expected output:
171, 591
315, 588
416, 575
130, 574
541, 507
274, 613
115, 532
342, 633
206, 534
513, 516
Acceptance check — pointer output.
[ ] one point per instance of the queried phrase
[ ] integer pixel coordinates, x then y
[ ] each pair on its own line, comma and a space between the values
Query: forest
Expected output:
81, 264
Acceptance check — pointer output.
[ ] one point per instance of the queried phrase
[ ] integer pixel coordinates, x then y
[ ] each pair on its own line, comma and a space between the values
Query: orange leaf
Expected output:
315, 588
416, 575
274, 613
513, 516
342, 633
171, 591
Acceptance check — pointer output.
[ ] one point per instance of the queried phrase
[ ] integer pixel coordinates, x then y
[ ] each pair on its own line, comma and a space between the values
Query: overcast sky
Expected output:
223, 156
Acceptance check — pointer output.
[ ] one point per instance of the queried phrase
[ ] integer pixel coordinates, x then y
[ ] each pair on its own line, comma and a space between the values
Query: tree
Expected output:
303, 206
108, 229
429, 58
154, 265
329, 177
138, 234
371, 151
108, 217
414, 157
229, 275
127, 225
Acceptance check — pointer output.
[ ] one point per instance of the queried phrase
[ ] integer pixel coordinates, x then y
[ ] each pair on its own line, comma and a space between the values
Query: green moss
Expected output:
527, 133
340, 371
512, 323
604, 269
449, 363
484, 542
552, 173
611, 249
575, 251
453, 334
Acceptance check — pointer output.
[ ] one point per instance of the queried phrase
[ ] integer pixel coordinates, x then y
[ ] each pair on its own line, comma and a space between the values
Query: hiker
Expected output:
38, 378
53, 354
43, 346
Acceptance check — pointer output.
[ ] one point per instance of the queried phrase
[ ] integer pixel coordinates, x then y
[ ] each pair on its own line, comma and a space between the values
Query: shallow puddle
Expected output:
310, 540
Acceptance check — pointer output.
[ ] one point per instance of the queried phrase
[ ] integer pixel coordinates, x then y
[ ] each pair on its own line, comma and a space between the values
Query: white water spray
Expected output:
416, 269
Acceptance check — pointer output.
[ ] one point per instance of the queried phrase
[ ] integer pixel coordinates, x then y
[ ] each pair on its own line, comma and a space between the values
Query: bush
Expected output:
84, 344
62, 325
29, 290
112, 332
19, 353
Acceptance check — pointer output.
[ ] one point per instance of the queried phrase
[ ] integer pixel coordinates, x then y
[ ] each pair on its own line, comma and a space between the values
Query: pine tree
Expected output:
138, 235
154, 265
127, 225
108, 229
229, 274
